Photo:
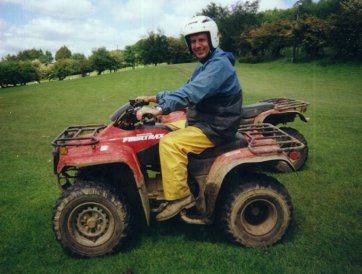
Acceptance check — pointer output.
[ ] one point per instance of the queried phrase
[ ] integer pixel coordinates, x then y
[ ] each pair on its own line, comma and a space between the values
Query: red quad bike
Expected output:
110, 178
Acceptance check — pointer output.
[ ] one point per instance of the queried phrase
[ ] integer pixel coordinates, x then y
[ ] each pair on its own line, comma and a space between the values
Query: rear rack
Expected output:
78, 136
266, 138
284, 103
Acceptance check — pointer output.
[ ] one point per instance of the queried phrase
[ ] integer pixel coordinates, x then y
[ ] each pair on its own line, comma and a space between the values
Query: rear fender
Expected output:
229, 161
275, 117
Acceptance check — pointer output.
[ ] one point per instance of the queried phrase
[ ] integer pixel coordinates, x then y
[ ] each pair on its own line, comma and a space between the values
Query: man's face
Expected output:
200, 45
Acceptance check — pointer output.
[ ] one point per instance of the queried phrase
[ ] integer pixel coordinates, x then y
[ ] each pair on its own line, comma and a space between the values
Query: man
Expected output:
213, 99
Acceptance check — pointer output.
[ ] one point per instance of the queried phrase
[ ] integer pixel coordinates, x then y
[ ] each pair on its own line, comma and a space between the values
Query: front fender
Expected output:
83, 156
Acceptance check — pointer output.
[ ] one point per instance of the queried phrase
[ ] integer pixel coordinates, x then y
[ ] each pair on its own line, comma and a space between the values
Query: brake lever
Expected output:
138, 103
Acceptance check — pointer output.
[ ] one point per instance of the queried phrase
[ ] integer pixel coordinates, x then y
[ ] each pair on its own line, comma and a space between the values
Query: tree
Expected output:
117, 57
325, 8
61, 69
178, 52
31, 55
42, 69
345, 32
14, 73
10, 58
154, 49
81, 64
269, 16
27, 73
63, 53
47, 71
311, 34
8, 73
129, 56
101, 60
232, 22
271, 38
46, 58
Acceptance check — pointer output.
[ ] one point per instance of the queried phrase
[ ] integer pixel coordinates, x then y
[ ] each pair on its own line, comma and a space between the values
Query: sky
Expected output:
83, 25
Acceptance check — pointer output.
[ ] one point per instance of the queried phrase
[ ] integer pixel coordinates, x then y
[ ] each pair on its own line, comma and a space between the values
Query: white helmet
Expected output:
200, 24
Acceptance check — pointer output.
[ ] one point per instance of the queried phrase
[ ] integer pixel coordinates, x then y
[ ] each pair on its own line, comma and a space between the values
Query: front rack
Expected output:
78, 136
266, 138
283, 104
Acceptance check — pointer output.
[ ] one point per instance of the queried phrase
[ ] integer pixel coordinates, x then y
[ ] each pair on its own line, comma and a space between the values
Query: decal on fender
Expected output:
143, 137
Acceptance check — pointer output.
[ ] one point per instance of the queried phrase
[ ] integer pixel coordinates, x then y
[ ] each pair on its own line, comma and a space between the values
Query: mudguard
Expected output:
275, 117
227, 162
84, 156
83, 146
109, 145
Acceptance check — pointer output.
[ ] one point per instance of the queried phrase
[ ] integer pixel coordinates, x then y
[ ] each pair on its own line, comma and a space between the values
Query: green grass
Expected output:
326, 236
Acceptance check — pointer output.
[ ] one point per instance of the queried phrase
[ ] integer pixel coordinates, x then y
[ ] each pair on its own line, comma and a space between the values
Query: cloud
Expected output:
82, 25
55, 23
51, 33
138, 9
55, 8
3, 27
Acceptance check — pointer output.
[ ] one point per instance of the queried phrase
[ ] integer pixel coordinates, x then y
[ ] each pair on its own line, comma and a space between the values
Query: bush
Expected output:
14, 73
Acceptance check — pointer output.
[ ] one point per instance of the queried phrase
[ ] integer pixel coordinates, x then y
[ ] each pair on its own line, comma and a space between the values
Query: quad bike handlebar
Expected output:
125, 116
131, 104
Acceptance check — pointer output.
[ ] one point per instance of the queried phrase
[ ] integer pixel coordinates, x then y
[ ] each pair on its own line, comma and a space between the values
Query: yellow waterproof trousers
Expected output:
174, 148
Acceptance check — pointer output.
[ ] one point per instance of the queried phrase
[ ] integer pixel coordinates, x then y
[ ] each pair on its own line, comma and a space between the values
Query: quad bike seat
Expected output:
250, 111
200, 164
238, 142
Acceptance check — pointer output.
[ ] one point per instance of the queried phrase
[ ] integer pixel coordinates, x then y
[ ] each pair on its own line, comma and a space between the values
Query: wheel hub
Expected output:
259, 217
92, 222
255, 211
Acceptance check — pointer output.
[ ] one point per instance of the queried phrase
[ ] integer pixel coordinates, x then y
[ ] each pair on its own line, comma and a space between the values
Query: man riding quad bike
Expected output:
110, 176
108, 172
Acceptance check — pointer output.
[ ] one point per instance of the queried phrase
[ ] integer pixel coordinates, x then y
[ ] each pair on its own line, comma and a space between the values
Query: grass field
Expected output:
326, 236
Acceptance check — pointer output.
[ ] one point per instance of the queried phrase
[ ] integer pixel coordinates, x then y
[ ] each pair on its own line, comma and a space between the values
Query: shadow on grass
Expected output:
176, 228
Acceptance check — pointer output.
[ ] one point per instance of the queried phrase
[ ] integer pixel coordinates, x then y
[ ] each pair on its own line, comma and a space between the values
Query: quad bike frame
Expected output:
84, 152
107, 171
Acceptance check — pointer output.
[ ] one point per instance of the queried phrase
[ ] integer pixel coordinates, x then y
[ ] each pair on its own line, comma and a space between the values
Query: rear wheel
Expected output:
257, 213
89, 220
298, 158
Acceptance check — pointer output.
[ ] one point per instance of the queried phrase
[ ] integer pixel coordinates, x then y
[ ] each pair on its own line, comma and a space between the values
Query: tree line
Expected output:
307, 31
35, 65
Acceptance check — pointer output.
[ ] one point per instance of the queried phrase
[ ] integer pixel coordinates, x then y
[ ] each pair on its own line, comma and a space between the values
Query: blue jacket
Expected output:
212, 96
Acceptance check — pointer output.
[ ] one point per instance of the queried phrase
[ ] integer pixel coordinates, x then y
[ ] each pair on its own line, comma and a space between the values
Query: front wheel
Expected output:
258, 212
89, 220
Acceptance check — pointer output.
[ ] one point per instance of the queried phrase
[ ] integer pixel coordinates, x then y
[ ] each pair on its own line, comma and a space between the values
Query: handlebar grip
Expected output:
138, 103
148, 119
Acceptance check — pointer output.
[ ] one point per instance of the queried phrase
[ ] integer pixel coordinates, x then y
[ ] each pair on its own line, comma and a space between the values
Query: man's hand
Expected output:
147, 99
145, 110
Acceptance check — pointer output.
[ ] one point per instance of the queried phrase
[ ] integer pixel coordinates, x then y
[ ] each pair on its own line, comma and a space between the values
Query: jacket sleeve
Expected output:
206, 81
